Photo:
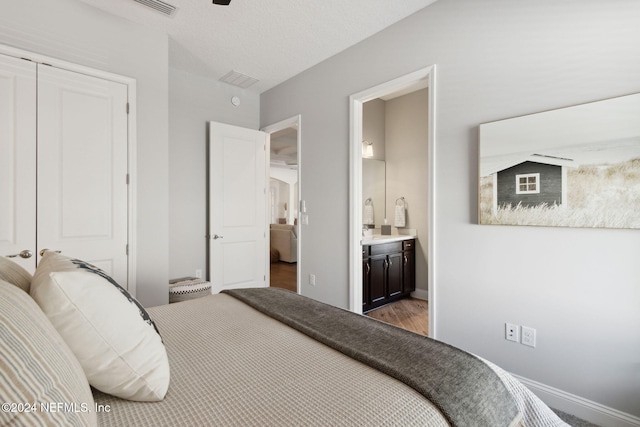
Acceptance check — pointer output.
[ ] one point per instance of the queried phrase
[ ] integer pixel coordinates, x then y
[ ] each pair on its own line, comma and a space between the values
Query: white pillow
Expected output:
113, 337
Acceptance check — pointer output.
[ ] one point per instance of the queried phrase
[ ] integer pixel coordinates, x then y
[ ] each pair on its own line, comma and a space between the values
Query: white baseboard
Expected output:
579, 406
420, 294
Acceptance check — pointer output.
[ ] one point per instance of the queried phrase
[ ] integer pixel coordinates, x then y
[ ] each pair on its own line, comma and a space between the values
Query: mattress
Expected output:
234, 366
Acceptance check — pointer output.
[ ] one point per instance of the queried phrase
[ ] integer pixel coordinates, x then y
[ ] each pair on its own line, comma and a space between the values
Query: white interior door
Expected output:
237, 206
82, 168
17, 160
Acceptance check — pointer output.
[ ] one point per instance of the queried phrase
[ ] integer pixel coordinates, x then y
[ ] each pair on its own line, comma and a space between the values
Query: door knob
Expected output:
23, 254
216, 237
42, 251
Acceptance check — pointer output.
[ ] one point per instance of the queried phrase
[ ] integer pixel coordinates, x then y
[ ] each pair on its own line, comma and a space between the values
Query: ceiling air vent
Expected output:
238, 79
160, 6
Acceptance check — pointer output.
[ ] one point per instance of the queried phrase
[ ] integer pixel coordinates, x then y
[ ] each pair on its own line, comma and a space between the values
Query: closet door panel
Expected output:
17, 159
82, 168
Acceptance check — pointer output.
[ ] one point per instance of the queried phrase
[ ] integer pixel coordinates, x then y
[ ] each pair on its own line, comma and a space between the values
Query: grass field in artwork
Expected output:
599, 195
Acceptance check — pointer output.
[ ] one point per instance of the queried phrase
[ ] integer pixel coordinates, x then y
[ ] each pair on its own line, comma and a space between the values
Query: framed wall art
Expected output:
571, 167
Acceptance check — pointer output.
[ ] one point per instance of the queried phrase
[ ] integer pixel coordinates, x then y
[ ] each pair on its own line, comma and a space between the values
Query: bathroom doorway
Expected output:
421, 83
283, 195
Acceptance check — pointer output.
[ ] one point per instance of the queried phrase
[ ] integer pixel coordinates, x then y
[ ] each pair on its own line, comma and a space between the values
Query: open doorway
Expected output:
421, 79
283, 195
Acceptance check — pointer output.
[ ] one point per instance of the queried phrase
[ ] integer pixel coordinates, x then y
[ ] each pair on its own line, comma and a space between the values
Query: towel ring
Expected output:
402, 200
368, 202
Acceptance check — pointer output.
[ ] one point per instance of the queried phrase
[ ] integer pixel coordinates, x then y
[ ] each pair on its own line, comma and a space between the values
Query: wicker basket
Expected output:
188, 288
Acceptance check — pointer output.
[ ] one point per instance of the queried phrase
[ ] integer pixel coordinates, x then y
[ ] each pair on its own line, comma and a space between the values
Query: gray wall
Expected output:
78, 33
173, 109
193, 101
495, 59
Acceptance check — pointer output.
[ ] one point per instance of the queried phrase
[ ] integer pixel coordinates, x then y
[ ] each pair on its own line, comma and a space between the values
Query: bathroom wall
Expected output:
373, 126
406, 158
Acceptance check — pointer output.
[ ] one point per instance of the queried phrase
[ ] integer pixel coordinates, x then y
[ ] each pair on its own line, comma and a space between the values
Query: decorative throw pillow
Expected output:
15, 274
37, 368
110, 333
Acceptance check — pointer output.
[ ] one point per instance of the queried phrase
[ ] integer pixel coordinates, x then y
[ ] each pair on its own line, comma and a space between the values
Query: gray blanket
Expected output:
464, 388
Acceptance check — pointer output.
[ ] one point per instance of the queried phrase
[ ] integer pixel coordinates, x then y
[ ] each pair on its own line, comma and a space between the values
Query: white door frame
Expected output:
356, 100
131, 135
295, 121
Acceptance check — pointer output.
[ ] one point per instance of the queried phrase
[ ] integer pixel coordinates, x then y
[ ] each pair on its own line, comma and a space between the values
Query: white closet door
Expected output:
17, 159
82, 168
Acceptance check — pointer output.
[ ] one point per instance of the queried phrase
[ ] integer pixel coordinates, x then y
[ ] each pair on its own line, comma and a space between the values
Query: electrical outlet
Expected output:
528, 336
312, 279
511, 332
199, 274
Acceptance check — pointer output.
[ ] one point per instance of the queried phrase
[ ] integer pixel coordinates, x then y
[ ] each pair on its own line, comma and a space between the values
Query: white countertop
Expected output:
377, 239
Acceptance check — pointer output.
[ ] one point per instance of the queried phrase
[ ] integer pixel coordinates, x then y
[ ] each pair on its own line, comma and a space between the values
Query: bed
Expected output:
266, 357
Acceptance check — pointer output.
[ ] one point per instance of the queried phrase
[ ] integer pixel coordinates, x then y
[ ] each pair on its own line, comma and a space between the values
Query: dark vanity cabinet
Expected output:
388, 272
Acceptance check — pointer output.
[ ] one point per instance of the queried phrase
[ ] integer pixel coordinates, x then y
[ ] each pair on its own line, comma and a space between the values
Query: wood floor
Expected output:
283, 275
411, 314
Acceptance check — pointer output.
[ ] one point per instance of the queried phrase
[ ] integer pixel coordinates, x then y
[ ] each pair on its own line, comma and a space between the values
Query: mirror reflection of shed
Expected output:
532, 181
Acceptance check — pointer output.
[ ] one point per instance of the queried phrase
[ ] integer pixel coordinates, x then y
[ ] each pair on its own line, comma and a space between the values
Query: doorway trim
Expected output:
428, 75
295, 121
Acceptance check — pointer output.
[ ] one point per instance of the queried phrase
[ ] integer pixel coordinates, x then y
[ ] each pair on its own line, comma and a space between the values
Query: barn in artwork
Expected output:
532, 181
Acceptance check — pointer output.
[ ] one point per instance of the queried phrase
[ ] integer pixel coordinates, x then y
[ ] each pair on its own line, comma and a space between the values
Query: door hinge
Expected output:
127, 179
126, 249
127, 108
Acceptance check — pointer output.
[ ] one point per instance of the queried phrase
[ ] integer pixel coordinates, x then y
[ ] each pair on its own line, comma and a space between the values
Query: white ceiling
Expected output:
270, 40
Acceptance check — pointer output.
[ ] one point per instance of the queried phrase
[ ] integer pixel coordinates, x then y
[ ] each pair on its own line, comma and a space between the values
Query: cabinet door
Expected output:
394, 274
366, 270
409, 271
377, 279
18, 160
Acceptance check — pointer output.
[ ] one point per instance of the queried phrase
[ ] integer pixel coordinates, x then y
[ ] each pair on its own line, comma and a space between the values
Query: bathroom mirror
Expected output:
373, 188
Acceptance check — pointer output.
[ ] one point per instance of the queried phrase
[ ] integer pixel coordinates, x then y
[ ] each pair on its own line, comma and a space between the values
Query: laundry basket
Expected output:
187, 288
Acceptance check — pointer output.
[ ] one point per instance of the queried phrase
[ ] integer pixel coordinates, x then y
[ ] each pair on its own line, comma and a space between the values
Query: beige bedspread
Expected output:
231, 365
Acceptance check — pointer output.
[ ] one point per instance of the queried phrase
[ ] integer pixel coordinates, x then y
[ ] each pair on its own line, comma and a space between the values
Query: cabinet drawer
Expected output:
408, 245
385, 248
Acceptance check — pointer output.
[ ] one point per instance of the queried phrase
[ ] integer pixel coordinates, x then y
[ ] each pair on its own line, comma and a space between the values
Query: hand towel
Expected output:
368, 214
400, 216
